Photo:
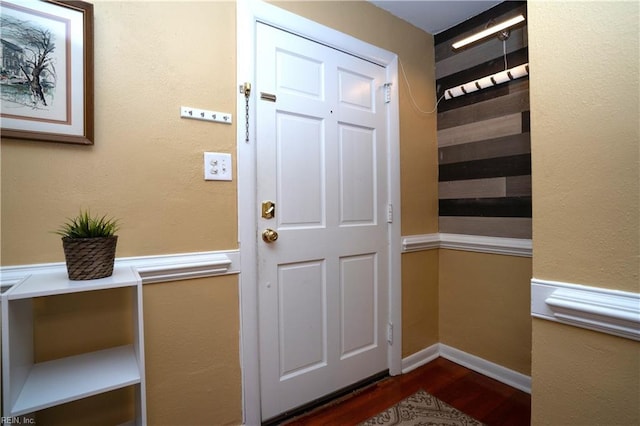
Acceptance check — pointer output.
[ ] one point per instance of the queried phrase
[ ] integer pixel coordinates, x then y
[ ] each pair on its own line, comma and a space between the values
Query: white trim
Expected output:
420, 242
152, 269
599, 309
487, 368
482, 244
247, 217
502, 374
476, 243
395, 231
298, 25
420, 358
248, 12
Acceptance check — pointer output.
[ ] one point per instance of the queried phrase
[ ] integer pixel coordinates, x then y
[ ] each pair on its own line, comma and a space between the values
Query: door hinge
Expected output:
390, 333
389, 213
387, 93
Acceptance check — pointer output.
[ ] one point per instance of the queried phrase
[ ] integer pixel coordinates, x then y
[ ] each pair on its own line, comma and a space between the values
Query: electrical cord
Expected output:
411, 93
504, 53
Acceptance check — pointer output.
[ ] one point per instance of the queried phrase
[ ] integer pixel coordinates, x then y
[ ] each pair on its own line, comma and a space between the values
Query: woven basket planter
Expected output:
89, 258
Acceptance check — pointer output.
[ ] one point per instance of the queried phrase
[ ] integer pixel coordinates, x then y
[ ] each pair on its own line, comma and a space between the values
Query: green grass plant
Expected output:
86, 225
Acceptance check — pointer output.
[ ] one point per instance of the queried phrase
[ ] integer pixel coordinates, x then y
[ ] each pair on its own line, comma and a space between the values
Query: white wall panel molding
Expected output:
152, 269
476, 243
604, 310
472, 362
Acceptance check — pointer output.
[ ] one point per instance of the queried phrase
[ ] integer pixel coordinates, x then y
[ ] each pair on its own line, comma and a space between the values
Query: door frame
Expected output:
248, 14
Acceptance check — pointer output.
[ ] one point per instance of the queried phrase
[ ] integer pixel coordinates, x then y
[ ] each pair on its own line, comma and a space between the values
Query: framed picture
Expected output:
46, 79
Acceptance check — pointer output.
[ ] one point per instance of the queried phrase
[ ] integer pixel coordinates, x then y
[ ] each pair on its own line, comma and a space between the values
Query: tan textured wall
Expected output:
146, 164
145, 168
585, 133
584, 60
193, 366
581, 377
419, 301
485, 307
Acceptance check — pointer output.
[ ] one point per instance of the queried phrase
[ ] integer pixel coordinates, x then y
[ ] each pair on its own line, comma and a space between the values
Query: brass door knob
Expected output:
269, 235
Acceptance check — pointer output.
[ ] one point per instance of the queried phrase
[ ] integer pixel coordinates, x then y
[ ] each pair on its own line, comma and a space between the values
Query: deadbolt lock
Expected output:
268, 210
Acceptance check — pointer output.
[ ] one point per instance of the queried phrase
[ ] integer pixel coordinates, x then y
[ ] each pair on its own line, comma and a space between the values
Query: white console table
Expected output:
28, 386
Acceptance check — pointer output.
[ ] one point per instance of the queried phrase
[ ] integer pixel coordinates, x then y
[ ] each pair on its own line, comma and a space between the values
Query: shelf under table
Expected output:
68, 379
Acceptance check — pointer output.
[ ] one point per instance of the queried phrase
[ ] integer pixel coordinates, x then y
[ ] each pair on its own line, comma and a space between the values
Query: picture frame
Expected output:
46, 75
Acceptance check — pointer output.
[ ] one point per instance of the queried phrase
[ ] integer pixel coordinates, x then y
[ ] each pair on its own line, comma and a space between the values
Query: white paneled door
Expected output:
322, 184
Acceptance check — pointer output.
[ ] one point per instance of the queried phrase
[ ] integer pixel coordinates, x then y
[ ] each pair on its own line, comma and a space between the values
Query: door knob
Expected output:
269, 235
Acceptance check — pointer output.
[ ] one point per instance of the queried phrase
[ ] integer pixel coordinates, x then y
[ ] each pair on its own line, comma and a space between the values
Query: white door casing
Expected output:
249, 12
323, 285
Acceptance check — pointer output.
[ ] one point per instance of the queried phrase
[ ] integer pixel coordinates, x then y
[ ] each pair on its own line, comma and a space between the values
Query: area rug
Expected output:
421, 409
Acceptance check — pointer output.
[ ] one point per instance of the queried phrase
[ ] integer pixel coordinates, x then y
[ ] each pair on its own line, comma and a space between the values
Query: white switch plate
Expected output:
206, 115
217, 166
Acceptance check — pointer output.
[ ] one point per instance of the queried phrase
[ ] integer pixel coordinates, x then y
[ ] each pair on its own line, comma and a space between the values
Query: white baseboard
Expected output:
487, 368
420, 358
502, 374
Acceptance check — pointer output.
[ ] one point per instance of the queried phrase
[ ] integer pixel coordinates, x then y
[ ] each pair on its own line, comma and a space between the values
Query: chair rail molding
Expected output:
152, 269
476, 243
594, 308
420, 242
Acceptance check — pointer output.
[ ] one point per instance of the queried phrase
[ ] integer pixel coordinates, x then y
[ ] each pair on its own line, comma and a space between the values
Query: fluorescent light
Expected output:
489, 31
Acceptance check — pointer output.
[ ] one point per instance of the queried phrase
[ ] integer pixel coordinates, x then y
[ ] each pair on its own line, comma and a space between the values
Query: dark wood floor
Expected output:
485, 399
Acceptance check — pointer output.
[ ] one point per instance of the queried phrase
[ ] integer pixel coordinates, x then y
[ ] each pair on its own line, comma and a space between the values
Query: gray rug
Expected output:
421, 409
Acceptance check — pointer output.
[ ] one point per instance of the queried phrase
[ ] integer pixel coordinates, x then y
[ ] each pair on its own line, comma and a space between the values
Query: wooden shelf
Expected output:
68, 379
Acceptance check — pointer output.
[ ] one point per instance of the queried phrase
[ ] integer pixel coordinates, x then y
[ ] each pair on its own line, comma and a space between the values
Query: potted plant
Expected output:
89, 244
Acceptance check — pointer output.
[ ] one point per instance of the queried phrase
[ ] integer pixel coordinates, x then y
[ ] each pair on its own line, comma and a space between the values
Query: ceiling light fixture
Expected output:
488, 32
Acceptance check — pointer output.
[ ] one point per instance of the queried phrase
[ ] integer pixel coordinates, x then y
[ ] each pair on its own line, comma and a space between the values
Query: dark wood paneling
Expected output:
487, 207
483, 137
517, 186
474, 188
526, 121
498, 127
507, 227
514, 165
490, 148
495, 107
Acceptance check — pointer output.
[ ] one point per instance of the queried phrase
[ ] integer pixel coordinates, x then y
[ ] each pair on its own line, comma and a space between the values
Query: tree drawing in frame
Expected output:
46, 75
30, 72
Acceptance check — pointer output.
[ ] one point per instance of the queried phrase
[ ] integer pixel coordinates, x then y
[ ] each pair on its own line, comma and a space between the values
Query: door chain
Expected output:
246, 89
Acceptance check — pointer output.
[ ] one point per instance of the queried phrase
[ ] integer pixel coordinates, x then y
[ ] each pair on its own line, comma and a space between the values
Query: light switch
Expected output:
217, 166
